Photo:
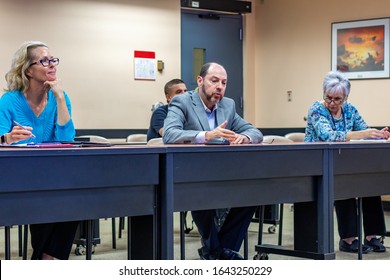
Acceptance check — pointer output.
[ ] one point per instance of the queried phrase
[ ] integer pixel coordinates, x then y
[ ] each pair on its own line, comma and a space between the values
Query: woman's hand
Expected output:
63, 115
17, 134
386, 132
56, 87
375, 133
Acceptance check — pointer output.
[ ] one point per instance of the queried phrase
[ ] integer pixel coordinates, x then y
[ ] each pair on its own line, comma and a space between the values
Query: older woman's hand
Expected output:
375, 133
386, 132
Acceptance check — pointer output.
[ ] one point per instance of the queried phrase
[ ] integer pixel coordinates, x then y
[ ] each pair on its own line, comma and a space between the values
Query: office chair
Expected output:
276, 139
94, 138
155, 142
139, 137
23, 231
295, 136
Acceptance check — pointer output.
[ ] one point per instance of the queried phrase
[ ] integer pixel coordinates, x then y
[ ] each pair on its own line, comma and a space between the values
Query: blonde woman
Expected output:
34, 108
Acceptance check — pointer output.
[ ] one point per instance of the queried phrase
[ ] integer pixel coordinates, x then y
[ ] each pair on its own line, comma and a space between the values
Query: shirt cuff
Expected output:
250, 139
200, 138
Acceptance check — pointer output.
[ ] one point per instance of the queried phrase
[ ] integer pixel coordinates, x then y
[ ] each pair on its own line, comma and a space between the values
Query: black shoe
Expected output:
205, 254
228, 254
375, 244
353, 247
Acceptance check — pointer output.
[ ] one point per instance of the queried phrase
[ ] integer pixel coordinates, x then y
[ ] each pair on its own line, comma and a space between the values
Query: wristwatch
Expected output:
2, 139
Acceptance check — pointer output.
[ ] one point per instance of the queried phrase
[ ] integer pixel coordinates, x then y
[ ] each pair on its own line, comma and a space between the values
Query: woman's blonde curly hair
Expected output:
16, 77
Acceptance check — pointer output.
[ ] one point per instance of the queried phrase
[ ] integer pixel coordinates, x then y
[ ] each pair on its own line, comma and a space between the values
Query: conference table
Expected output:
310, 175
199, 177
45, 185
149, 184
357, 169
360, 169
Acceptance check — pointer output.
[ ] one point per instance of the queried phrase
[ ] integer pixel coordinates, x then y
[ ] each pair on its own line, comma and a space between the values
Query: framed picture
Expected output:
360, 49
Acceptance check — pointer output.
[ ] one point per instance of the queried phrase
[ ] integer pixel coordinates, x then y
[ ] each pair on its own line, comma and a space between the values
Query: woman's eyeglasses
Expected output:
336, 100
46, 62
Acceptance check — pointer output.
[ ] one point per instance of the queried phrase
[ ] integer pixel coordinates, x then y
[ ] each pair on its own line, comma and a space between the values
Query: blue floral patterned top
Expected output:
323, 127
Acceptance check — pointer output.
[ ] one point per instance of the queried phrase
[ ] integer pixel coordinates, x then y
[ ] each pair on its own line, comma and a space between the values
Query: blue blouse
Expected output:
323, 127
14, 106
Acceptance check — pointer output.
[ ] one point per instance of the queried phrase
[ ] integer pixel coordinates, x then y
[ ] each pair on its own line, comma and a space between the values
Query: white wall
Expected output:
287, 46
95, 41
293, 52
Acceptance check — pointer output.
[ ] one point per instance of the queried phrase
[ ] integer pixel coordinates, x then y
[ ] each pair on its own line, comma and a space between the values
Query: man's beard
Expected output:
209, 97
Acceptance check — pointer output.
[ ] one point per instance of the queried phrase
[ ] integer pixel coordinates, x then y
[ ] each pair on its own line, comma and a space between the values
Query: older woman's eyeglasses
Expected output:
46, 62
336, 100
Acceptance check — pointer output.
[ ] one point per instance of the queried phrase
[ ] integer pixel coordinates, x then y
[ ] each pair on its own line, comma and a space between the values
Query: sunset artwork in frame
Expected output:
360, 49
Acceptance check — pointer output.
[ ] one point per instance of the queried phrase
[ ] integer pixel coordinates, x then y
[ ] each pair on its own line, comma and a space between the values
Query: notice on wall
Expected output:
145, 65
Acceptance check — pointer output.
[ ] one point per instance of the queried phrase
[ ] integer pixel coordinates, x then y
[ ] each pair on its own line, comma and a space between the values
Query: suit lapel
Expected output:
220, 114
200, 111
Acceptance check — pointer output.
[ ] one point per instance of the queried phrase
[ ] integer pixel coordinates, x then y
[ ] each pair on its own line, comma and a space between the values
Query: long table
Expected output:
151, 183
69, 184
359, 170
210, 177
311, 176
355, 170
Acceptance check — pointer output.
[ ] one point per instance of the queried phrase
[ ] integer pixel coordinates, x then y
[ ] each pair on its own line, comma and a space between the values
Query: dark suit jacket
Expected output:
157, 122
187, 117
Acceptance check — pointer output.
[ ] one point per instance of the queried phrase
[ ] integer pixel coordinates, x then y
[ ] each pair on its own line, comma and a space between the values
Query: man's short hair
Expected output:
171, 83
205, 69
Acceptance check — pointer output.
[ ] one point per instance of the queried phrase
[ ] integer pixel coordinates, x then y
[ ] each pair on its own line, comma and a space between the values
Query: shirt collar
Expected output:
205, 107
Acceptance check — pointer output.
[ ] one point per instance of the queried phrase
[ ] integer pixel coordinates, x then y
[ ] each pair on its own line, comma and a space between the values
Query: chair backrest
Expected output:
156, 105
136, 138
295, 136
276, 139
95, 138
155, 142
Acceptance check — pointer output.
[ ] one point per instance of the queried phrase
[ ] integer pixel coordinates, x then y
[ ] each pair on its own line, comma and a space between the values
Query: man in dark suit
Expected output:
197, 117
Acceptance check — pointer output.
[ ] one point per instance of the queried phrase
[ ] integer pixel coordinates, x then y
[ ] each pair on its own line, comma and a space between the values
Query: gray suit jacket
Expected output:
187, 117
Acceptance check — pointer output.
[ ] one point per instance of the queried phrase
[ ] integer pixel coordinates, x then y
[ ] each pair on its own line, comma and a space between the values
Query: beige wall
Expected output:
95, 41
293, 52
286, 47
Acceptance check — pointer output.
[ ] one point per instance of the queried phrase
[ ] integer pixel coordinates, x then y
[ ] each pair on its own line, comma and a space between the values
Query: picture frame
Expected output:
360, 49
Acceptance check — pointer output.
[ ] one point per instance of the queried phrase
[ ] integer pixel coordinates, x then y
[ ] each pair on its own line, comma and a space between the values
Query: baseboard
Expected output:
123, 133
110, 133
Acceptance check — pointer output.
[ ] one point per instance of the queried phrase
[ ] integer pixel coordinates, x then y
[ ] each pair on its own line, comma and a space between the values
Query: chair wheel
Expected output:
82, 250
272, 229
261, 256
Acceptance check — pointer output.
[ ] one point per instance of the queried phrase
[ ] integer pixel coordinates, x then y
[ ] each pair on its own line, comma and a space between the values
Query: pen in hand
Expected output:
21, 126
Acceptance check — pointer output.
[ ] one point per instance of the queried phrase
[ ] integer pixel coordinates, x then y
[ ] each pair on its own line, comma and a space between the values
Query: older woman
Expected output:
335, 120
36, 109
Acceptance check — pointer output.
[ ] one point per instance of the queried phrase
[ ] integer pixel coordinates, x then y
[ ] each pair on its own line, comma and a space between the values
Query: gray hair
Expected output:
334, 82
16, 77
